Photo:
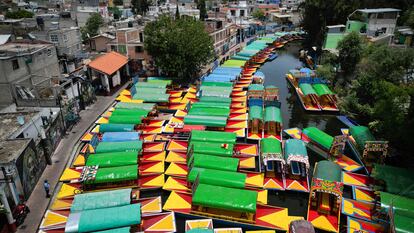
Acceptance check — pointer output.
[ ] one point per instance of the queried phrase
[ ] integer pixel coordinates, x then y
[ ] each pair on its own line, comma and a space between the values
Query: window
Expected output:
242, 13
54, 38
113, 48
15, 64
139, 49
270, 166
233, 13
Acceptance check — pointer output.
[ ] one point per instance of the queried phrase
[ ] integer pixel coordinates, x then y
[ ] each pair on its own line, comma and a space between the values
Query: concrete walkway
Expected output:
63, 154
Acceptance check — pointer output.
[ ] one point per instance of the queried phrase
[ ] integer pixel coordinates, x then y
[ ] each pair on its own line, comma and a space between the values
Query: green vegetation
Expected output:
91, 27
201, 5
350, 49
258, 14
118, 2
19, 14
180, 48
408, 17
140, 7
116, 12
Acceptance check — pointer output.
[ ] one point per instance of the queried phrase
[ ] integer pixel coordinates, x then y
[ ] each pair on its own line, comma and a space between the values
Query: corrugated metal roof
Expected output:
378, 10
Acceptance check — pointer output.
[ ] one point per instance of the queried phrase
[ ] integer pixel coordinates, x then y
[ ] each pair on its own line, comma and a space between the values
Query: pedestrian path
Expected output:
62, 155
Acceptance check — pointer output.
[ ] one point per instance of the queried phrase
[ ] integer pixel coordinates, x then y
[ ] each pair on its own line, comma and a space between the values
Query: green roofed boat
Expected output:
213, 136
99, 200
308, 97
319, 137
393, 180
98, 219
217, 177
103, 128
212, 148
97, 176
272, 158
209, 121
326, 98
112, 159
213, 162
128, 146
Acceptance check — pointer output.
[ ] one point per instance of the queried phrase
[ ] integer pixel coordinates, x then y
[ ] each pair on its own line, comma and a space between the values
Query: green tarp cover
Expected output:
213, 136
272, 114
242, 58
361, 134
215, 99
99, 200
396, 179
403, 221
210, 121
151, 85
256, 87
147, 91
115, 174
322, 89
295, 147
130, 112
397, 202
159, 80
206, 111
223, 178
255, 112
225, 198
327, 170
125, 105
215, 162
212, 104
218, 84
218, 177
152, 98
134, 146
120, 119
307, 89
319, 137
103, 219
233, 63
116, 230
103, 128
270, 146
213, 148
113, 159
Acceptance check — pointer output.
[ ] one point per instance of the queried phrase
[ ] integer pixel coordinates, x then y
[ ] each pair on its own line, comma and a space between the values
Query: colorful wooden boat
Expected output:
325, 198
297, 166
326, 98
255, 122
273, 163
308, 97
326, 146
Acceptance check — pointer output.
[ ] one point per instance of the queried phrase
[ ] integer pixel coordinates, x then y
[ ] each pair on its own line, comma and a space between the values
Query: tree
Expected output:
20, 14
116, 12
350, 49
201, 5
180, 48
258, 14
409, 17
92, 25
177, 12
140, 7
118, 2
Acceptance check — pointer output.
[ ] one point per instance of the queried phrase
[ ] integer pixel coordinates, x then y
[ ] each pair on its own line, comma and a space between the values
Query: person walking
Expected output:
46, 185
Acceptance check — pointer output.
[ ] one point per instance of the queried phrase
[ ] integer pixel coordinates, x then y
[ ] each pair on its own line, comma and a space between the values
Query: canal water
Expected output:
293, 116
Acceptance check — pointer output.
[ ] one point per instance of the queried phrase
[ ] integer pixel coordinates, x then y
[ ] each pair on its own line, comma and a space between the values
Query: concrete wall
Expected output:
99, 44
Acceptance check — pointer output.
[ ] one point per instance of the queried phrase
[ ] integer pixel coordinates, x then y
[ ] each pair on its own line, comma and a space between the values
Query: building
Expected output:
107, 72
27, 141
224, 35
268, 2
239, 10
130, 42
99, 42
27, 67
67, 40
169, 8
292, 5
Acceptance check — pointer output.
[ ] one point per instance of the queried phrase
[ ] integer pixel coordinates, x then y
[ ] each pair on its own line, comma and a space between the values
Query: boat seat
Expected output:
324, 205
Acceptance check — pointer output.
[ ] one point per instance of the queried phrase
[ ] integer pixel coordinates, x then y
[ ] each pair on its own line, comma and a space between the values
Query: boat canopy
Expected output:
206, 111
395, 179
215, 162
215, 99
114, 174
96, 220
200, 230
272, 114
215, 91
148, 90
396, 202
229, 199
212, 148
239, 57
143, 106
99, 200
256, 87
318, 136
295, 150
307, 89
217, 84
209, 121
124, 119
211, 104
322, 89
160, 85
233, 63
151, 98
221, 78
220, 178
402, 221
117, 230
120, 136
116, 128
255, 112
271, 149
134, 146
361, 134
112, 159
159, 80
327, 170
130, 112
213, 136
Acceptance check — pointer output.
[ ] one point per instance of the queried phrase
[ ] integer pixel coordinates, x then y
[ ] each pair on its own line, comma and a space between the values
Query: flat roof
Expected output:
9, 123
11, 149
378, 10
336, 26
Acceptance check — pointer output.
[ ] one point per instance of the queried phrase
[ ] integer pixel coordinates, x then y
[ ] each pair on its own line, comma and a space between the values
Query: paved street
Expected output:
62, 155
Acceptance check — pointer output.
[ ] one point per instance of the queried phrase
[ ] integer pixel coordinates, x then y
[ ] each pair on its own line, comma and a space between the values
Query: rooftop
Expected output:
4, 38
378, 10
11, 149
10, 124
20, 48
109, 63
